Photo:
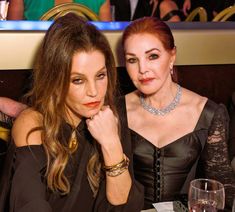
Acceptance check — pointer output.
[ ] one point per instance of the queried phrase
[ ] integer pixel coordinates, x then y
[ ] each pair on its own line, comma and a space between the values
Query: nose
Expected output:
142, 67
91, 89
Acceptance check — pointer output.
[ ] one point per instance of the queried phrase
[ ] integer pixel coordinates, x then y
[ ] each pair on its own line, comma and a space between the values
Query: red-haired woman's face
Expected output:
147, 61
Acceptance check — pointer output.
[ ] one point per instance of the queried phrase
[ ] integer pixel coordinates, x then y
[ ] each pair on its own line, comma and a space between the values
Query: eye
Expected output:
153, 56
77, 81
131, 60
102, 75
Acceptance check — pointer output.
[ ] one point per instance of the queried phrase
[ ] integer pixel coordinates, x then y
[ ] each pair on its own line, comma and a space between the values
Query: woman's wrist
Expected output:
117, 169
112, 153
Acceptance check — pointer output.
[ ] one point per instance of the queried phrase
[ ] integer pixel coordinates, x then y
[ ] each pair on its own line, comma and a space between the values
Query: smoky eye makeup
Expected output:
153, 56
131, 59
77, 80
102, 74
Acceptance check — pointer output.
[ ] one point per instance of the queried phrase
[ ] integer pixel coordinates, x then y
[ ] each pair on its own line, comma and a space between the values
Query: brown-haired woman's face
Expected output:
147, 61
88, 84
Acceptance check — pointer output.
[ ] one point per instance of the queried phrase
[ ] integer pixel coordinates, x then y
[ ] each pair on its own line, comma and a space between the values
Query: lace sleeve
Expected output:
216, 159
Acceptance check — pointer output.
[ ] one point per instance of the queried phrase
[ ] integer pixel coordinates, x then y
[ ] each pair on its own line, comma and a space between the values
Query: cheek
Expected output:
74, 96
132, 70
102, 87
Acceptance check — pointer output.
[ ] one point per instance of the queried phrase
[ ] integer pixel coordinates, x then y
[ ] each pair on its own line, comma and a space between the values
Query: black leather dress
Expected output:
166, 172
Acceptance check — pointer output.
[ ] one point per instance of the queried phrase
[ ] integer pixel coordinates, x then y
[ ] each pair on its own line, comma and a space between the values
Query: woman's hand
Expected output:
186, 7
104, 128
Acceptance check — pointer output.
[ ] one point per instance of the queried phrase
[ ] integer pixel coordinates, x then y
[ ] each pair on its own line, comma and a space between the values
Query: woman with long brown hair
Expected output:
69, 152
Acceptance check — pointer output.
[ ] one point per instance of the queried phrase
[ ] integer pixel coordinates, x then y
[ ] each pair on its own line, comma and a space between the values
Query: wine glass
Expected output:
206, 195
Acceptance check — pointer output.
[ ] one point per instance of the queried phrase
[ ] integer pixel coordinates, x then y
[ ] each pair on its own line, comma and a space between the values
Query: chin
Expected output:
147, 91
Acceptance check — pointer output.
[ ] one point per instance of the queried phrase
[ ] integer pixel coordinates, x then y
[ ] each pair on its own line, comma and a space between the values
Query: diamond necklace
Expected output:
165, 110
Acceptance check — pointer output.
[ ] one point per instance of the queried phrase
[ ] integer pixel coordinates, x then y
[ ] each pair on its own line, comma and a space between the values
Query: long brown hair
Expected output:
153, 26
65, 37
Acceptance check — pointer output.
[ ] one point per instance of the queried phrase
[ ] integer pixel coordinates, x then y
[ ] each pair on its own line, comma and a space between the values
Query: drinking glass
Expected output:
206, 195
3, 9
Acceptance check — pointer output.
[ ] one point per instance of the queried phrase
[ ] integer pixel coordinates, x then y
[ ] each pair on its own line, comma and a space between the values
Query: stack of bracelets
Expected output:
118, 168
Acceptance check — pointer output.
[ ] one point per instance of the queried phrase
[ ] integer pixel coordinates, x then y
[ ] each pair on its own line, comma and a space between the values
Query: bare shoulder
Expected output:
132, 100
194, 100
23, 125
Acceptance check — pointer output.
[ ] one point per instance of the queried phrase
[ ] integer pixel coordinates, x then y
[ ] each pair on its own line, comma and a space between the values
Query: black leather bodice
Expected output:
166, 172
158, 169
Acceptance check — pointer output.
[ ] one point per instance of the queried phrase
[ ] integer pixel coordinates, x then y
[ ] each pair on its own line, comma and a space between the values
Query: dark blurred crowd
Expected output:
126, 10
122, 10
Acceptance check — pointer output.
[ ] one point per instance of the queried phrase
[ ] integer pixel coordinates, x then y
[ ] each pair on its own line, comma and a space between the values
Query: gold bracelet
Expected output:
116, 172
117, 169
115, 166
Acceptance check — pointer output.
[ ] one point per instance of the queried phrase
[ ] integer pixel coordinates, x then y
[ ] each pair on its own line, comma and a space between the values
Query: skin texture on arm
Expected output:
118, 187
15, 10
165, 7
25, 122
186, 7
105, 11
11, 107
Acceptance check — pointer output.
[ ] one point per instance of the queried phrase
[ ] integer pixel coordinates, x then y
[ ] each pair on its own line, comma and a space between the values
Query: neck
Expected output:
164, 110
163, 96
72, 117
57, 2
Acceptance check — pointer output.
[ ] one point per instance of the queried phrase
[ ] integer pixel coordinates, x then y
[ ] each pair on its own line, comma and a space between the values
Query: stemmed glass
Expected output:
206, 195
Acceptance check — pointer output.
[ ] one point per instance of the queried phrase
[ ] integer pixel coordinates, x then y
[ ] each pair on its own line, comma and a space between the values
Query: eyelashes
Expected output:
132, 60
81, 80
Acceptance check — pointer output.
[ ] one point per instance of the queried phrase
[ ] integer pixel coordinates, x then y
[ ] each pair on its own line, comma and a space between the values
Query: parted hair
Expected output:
66, 36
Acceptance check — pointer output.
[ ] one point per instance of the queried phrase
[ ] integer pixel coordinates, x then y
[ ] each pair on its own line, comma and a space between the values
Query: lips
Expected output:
146, 80
92, 104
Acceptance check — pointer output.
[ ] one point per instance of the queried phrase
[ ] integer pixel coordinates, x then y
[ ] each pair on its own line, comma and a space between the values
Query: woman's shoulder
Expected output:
132, 100
193, 101
202, 104
22, 133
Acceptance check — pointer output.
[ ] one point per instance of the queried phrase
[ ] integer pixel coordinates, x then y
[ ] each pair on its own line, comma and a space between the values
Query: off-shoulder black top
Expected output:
24, 189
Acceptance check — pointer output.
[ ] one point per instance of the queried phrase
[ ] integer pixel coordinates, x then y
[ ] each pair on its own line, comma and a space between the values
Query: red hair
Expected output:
153, 26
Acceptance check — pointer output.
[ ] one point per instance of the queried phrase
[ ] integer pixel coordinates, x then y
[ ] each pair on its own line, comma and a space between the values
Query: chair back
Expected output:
225, 14
63, 9
4, 134
197, 11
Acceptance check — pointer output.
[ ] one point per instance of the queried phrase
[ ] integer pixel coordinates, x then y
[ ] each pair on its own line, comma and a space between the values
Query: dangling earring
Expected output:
171, 69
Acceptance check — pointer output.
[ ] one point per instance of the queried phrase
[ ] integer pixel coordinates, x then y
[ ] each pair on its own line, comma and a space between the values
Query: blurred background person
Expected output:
127, 10
34, 9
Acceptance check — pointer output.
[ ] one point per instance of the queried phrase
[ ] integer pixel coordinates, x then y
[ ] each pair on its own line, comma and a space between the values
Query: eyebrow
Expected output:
152, 50
81, 74
146, 52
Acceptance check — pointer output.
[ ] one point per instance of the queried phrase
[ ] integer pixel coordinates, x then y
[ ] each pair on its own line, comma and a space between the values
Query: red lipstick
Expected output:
146, 80
92, 104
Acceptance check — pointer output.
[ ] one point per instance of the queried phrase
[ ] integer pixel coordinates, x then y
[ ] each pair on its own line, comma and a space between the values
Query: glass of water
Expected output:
3, 9
206, 195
